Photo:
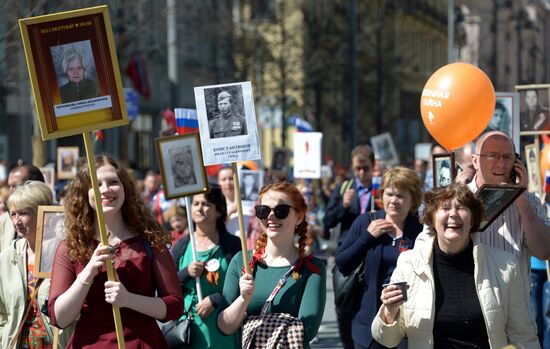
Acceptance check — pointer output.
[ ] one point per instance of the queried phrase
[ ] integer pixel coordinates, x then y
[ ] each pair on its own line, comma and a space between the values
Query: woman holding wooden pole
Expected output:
147, 286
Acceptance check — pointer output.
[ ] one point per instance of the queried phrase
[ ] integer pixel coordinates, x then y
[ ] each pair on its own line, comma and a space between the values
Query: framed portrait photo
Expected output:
443, 169
227, 123
74, 72
384, 149
496, 198
534, 116
67, 162
181, 165
50, 230
279, 160
49, 176
533, 169
506, 116
250, 183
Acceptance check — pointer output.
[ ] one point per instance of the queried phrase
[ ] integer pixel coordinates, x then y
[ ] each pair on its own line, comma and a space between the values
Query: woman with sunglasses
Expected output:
215, 247
377, 239
279, 254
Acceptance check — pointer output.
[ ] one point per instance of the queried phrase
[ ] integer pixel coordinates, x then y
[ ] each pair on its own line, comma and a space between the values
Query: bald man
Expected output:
226, 123
17, 176
523, 228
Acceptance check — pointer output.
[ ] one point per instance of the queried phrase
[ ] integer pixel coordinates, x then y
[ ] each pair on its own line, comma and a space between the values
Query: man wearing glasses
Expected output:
347, 202
522, 228
18, 175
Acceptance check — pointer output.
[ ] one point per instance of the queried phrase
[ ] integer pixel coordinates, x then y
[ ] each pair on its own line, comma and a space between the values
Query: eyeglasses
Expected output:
492, 157
281, 211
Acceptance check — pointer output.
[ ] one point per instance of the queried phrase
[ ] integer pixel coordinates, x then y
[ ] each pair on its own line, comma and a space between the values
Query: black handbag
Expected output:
349, 289
178, 332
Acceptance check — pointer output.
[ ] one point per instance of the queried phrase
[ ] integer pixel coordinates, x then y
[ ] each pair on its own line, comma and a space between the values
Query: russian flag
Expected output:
547, 182
186, 120
375, 191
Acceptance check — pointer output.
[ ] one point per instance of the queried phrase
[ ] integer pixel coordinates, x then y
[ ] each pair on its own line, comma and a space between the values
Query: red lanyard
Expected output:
280, 284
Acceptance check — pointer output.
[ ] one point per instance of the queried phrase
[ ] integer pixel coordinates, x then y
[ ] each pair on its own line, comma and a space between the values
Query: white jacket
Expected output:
499, 288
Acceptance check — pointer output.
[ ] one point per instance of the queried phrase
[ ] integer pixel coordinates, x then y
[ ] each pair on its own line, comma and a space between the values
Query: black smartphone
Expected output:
514, 174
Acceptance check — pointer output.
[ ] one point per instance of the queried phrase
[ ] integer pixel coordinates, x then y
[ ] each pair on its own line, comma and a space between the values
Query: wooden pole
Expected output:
103, 232
242, 231
55, 343
192, 238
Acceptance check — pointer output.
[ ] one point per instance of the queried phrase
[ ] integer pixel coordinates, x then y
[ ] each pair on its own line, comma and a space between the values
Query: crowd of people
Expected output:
464, 288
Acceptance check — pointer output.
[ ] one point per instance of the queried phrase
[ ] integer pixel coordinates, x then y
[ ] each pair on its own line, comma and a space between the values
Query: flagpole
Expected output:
181, 127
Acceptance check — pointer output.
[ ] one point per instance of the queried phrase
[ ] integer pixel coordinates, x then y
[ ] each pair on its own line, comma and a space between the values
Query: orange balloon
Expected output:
457, 104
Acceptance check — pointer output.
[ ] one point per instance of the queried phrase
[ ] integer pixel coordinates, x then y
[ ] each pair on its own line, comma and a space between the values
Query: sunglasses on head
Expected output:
281, 211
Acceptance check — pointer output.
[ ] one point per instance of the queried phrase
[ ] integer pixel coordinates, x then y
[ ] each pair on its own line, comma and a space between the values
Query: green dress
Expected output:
204, 332
303, 298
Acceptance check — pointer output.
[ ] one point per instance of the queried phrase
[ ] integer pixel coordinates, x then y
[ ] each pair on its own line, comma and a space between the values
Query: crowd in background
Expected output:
342, 215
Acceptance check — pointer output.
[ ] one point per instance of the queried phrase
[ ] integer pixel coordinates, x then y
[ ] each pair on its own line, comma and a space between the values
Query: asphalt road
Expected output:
328, 336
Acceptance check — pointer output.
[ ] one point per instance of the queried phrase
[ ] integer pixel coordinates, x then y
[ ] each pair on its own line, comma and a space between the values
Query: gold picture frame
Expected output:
177, 153
50, 230
73, 98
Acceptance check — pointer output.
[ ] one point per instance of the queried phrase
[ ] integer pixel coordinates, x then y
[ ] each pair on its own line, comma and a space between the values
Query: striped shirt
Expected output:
506, 233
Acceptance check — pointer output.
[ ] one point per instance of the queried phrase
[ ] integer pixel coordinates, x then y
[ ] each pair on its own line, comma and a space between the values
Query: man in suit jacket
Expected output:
347, 202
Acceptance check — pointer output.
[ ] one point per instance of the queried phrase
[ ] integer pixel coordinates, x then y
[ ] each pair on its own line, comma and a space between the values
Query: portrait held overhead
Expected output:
227, 123
227, 120
534, 104
181, 165
443, 169
77, 74
74, 72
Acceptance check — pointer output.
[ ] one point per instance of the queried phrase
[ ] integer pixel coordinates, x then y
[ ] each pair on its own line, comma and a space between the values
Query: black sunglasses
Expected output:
281, 211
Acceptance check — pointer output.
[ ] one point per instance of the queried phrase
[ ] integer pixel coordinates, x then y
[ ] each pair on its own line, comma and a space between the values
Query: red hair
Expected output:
297, 201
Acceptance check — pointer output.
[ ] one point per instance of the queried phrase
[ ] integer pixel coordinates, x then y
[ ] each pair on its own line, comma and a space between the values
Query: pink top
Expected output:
140, 274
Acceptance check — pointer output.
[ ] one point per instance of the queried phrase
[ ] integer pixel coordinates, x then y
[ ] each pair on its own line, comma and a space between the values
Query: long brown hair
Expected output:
80, 216
298, 202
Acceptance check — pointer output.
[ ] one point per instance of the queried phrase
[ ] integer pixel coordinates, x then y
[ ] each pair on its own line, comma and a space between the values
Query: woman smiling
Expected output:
461, 293
278, 260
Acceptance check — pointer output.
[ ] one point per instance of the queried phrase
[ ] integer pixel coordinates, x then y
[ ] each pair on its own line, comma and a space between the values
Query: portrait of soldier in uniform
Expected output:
78, 87
535, 116
181, 159
226, 122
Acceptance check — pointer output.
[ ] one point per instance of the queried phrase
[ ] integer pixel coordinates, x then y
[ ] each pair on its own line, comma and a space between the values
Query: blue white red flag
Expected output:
375, 191
186, 120
547, 182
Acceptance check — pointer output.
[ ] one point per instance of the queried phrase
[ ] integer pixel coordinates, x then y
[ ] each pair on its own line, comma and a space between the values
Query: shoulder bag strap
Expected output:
280, 284
27, 310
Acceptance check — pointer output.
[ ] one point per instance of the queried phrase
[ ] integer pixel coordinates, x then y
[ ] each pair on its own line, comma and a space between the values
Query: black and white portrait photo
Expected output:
384, 149
533, 170
227, 123
496, 198
279, 159
75, 71
443, 165
534, 106
225, 110
50, 232
250, 183
182, 166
